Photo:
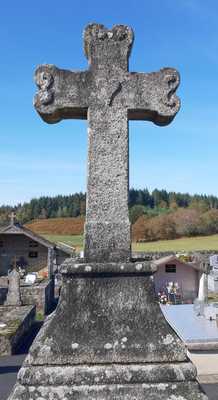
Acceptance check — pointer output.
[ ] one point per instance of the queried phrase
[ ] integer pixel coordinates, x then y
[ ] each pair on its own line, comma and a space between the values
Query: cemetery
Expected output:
117, 343
37, 259
15, 318
108, 201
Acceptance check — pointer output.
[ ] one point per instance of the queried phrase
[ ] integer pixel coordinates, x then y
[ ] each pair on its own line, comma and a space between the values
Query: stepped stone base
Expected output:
107, 339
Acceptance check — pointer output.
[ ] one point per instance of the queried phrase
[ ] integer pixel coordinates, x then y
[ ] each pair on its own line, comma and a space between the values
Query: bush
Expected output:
135, 212
209, 222
149, 229
187, 222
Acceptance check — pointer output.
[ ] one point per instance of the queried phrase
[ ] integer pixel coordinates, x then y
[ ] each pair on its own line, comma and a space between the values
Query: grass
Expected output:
71, 240
183, 244
40, 316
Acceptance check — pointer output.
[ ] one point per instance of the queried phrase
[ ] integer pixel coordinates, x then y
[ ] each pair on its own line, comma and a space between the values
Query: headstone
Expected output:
107, 338
50, 263
13, 295
203, 288
214, 262
12, 218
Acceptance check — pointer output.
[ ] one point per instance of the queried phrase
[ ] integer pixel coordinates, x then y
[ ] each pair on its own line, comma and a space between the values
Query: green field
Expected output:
71, 240
182, 245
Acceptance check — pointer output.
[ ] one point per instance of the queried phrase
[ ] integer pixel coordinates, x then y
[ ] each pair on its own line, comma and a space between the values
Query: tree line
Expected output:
141, 202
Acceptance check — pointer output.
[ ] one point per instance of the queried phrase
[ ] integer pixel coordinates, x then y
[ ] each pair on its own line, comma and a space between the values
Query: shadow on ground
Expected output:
10, 365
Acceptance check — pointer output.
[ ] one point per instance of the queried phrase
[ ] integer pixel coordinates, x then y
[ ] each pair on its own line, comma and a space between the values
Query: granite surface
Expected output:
108, 95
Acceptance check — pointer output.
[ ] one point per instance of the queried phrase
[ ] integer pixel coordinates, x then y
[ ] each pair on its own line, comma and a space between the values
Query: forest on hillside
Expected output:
141, 201
154, 215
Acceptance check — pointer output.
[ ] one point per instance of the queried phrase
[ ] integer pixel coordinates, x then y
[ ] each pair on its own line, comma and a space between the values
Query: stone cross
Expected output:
13, 295
108, 95
12, 218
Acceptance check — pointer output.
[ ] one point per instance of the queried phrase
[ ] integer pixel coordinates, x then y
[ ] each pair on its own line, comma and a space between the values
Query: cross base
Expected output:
62, 383
107, 339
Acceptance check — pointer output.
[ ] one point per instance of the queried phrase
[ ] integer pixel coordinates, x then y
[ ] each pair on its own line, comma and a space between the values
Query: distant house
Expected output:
184, 276
32, 251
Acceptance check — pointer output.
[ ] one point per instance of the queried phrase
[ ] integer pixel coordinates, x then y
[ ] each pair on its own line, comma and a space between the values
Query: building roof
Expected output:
197, 264
14, 228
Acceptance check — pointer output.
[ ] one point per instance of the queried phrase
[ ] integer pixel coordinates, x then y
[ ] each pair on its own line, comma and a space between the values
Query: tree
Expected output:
135, 212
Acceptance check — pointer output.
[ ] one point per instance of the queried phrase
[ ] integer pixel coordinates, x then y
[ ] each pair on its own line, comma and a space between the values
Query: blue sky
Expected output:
40, 159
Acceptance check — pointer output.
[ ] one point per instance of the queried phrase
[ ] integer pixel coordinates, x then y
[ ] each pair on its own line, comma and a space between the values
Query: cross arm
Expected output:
61, 94
152, 96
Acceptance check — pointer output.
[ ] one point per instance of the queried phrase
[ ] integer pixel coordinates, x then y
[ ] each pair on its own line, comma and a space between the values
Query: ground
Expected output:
182, 245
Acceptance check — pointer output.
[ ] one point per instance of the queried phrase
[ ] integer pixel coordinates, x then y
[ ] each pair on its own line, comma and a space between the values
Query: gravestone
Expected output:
13, 295
107, 338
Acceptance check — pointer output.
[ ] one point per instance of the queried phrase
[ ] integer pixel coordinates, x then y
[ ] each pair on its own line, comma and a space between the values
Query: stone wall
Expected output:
155, 255
42, 295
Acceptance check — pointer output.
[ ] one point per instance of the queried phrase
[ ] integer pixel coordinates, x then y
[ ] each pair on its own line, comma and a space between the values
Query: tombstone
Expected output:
107, 338
13, 295
203, 288
214, 262
12, 218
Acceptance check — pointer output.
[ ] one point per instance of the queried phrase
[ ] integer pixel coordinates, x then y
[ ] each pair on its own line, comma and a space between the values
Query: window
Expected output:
32, 243
33, 254
1, 243
171, 268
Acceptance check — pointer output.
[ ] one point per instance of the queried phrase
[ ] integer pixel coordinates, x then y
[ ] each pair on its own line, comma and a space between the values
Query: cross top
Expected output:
116, 43
15, 263
108, 95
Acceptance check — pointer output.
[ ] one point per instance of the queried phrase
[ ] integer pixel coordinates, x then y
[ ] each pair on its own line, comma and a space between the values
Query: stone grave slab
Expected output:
15, 321
199, 334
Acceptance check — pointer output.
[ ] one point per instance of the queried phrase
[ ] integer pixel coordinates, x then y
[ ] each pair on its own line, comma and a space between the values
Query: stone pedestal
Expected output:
107, 339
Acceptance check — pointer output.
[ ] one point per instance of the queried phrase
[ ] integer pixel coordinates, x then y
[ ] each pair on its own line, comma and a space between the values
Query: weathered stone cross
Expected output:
108, 96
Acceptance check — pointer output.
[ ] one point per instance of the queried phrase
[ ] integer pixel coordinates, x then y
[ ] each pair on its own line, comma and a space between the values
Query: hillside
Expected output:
141, 202
172, 224
70, 231
58, 226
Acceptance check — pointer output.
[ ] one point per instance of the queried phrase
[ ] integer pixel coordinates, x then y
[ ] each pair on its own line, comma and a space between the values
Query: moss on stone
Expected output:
11, 328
